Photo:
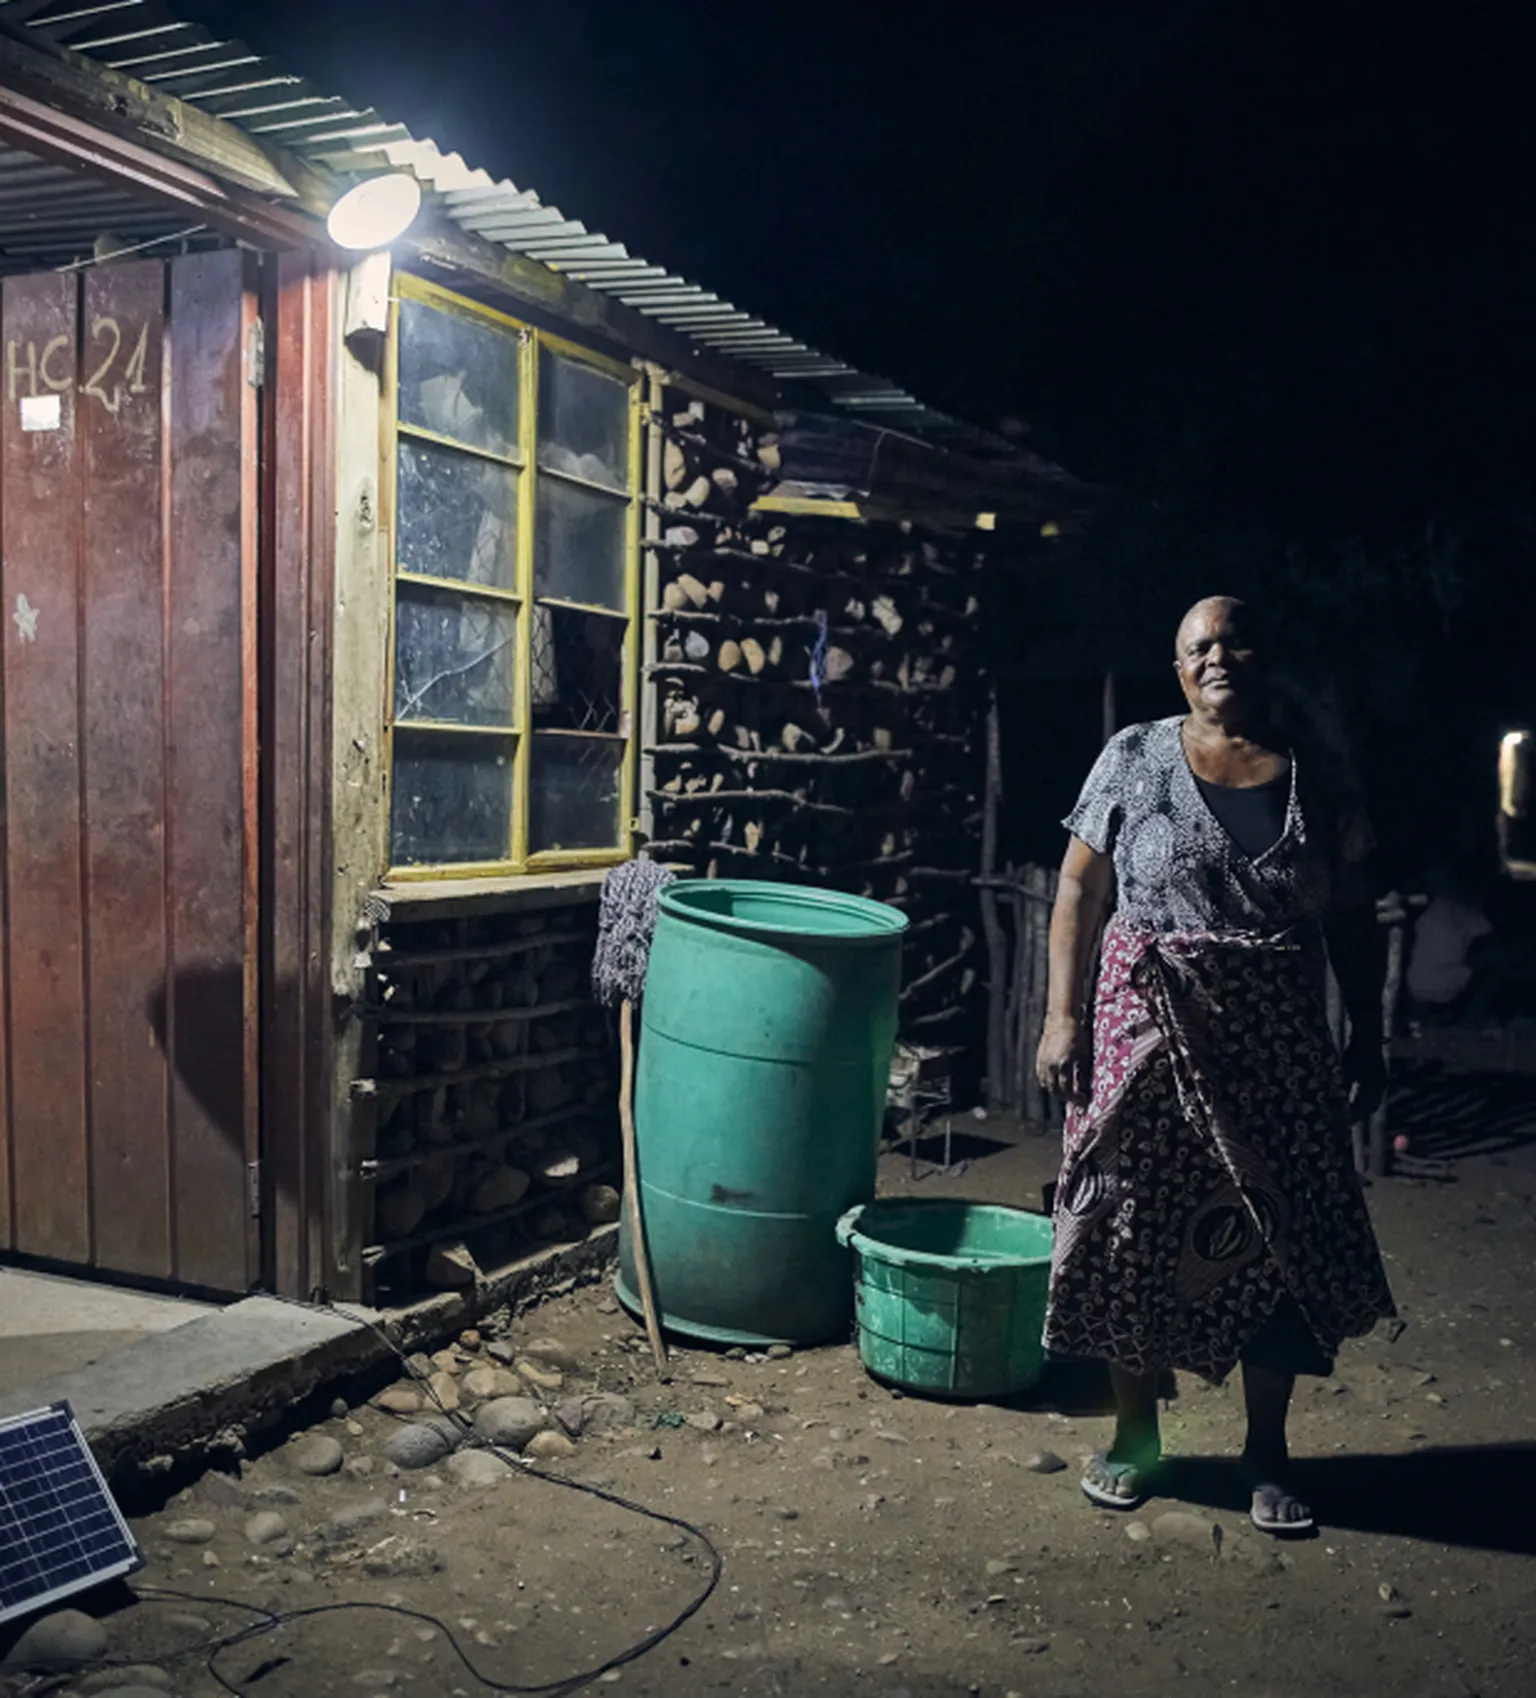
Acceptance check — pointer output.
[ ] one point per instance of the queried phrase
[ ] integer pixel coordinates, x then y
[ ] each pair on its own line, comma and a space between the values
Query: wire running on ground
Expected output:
273, 1620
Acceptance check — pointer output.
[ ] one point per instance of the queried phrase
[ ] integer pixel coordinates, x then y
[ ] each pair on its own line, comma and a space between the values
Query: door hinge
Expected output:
253, 1188
256, 355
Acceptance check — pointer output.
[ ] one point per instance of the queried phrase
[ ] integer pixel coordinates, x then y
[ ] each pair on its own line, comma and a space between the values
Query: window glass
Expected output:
579, 544
574, 800
452, 799
454, 657
583, 422
457, 515
459, 378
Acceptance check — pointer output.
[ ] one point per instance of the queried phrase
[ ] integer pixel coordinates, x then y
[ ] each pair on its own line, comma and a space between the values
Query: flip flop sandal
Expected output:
1272, 1525
1102, 1495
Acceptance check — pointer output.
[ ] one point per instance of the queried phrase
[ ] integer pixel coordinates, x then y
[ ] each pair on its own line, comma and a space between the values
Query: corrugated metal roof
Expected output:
51, 216
225, 78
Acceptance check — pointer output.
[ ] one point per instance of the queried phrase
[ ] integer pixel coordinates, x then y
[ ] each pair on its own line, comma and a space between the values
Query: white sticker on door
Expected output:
41, 412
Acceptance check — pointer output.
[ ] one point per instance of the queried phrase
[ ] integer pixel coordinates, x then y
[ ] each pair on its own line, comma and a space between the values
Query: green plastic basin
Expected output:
949, 1295
765, 1051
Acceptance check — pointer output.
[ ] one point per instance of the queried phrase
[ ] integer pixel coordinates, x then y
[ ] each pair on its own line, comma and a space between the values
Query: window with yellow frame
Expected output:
514, 472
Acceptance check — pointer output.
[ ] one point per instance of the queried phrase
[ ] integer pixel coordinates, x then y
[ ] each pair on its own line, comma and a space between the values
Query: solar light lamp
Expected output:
374, 213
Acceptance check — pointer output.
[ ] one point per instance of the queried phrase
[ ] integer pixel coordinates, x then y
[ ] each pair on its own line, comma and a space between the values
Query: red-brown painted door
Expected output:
128, 1049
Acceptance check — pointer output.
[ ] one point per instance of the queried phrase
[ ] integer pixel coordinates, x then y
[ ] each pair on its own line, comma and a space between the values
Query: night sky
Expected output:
1267, 270
1274, 260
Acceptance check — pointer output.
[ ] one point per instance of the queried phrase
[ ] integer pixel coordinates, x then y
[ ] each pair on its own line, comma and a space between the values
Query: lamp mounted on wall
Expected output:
374, 213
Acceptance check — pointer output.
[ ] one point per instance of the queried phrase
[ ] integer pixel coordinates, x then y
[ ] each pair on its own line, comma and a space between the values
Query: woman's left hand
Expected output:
1365, 1073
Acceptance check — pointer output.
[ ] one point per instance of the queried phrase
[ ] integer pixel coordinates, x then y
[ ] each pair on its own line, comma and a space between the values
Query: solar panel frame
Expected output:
61, 1532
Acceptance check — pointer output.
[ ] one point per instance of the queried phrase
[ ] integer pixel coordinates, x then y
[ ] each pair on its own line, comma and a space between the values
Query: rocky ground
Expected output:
883, 1545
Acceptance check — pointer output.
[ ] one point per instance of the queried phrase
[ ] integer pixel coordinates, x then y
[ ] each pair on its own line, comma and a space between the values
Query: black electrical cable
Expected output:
272, 1620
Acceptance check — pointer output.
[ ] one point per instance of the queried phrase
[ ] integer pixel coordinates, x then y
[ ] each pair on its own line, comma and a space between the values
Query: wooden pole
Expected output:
1380, 1158
1017, 1061
642, 1255
991, 925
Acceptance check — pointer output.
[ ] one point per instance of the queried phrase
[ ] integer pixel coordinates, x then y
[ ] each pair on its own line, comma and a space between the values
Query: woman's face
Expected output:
1217, 665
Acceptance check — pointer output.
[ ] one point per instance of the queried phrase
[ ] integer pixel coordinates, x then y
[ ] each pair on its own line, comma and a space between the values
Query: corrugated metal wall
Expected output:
128, 466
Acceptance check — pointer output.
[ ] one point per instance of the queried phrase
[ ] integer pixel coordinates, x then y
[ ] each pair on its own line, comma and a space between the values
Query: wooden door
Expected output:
128, 1047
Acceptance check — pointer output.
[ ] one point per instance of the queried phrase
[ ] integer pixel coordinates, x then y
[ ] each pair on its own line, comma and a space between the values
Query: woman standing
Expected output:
1208, 1212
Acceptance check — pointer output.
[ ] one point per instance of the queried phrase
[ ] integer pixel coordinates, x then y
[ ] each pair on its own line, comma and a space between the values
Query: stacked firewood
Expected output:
817, 701
493, 1095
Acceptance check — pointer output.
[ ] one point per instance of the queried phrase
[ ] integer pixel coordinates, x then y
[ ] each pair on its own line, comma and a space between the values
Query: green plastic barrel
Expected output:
950, 1296
765, 1052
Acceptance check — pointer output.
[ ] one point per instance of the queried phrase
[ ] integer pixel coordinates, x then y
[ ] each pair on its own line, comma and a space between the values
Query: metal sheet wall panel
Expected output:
297, 601
123, 755
128, 467
210, 723
39, 591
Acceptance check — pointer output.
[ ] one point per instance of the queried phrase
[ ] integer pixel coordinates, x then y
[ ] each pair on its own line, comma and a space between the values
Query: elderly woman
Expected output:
1208, 1212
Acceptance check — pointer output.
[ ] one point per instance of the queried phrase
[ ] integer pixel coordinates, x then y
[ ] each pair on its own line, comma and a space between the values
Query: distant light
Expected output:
375, 213
1050, 529
1515, 775
986, 521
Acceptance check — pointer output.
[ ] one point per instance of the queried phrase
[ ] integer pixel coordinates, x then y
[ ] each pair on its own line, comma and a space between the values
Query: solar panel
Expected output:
60, 1531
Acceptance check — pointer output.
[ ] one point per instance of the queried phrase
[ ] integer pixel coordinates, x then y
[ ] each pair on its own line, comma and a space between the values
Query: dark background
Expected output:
1266, 270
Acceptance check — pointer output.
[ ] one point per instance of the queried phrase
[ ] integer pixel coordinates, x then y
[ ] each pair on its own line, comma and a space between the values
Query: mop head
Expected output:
625, 923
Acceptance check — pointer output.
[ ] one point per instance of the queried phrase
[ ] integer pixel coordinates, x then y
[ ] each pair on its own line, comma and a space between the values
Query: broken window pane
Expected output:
458, 377
577, 669
583, 422
453, 657
452, 799
574, 800
578, 549
457, 516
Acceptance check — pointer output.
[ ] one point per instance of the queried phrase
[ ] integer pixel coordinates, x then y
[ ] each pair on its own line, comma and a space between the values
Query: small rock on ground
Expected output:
778, 1352
1045, 1462
265, 1528
509, 1421
607, 1412
398, 1400
225, 1490
501, 1352
417, 1446
540, 1377
571, 1416
139, 1689
318, 1456
64, 1639
445, 1389
193, 1532
477, 1469
549, 1446
552, 1353
483, 1384
402, 1559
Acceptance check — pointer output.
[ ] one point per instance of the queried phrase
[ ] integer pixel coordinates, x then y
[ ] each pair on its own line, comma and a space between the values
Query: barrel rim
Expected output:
894, 1255
886, 922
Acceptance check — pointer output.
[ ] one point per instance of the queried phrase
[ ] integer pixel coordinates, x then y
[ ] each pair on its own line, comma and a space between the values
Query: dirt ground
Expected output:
890, 1546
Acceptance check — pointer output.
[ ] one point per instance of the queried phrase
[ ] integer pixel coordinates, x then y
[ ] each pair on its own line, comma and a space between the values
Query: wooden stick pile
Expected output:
1016, 915
817, 713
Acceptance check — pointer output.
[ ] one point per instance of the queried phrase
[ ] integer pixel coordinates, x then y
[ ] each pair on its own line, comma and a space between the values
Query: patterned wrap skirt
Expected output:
1207, 1190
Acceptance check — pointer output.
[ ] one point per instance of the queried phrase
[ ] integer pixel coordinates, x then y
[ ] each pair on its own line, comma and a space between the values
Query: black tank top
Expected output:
1253, 818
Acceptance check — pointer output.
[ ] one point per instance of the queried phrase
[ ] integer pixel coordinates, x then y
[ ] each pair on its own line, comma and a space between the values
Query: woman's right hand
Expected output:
1062, 1061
